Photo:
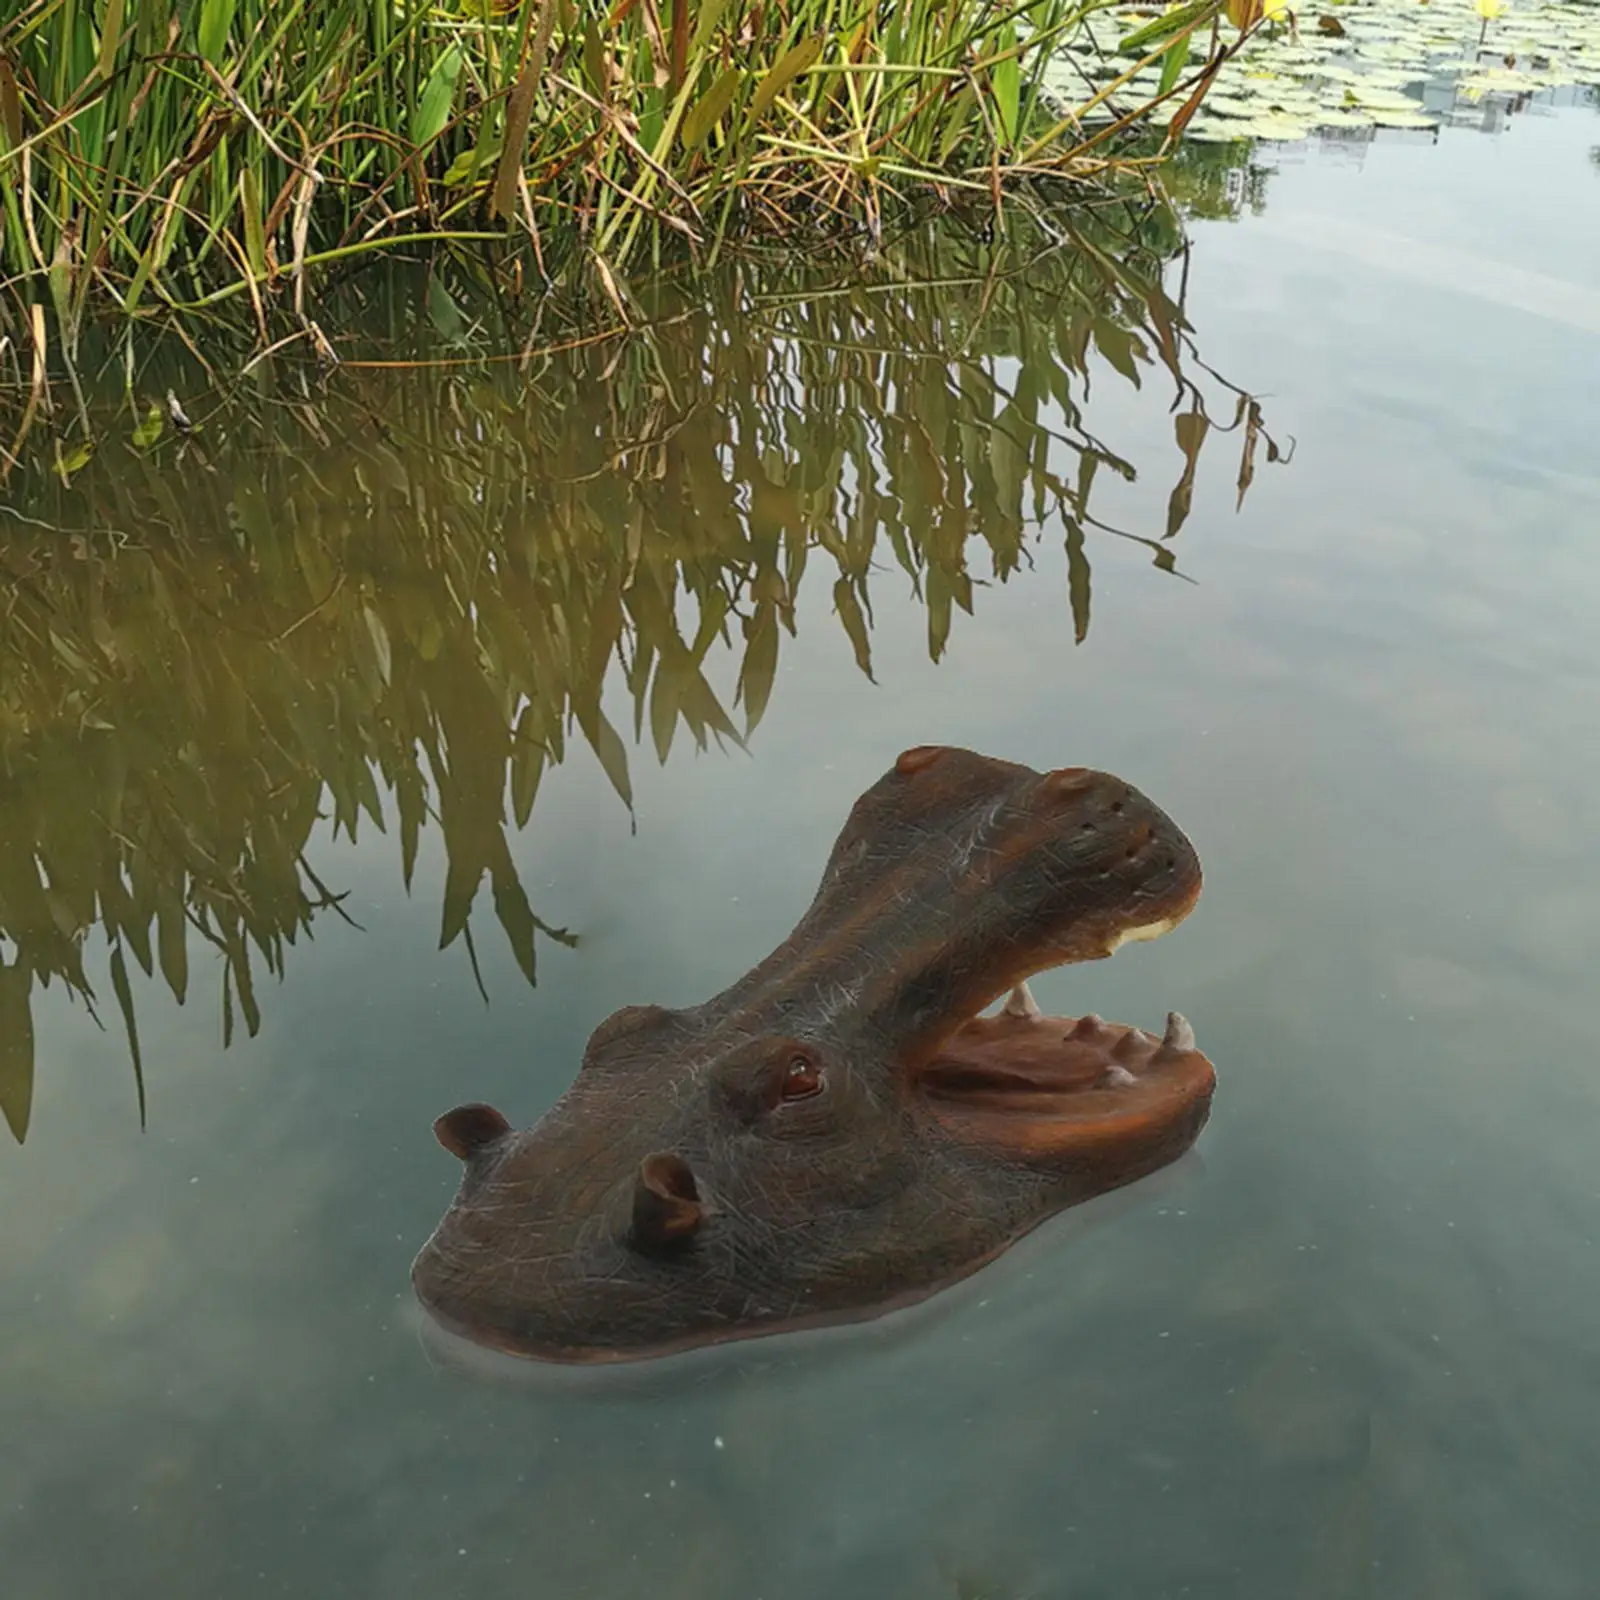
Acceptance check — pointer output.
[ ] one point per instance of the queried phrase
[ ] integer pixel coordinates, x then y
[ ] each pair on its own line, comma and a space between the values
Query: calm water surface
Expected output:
1351, 1347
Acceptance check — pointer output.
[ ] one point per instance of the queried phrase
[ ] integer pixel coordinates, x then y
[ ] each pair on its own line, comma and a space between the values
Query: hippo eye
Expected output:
801, 1079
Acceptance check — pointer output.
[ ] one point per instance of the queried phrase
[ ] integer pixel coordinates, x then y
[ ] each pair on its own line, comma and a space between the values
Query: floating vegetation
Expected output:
1359, 64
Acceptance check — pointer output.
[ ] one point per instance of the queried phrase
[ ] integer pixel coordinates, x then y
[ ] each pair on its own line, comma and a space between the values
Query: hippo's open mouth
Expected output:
1034, 1084
841, 1130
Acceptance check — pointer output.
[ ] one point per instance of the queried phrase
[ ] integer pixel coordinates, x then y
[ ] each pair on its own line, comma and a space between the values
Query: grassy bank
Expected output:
162, 158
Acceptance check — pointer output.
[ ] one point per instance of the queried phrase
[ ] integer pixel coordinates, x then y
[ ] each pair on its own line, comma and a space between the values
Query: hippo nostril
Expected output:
666, 1203
1116, 805
669, 1176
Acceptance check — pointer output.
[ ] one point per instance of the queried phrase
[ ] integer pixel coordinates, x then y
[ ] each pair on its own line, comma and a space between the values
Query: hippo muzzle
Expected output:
843, 1130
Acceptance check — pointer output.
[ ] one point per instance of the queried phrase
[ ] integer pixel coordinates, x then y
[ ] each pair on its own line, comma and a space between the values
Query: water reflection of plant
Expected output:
418, 581
1217, 182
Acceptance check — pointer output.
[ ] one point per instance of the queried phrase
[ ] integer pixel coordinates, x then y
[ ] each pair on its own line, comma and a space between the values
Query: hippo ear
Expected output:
467, 1129
625, 1033
666, 1203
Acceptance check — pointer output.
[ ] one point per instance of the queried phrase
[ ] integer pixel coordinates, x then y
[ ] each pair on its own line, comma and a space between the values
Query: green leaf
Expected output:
110, 36
380, 644
784, 71
710, 15
855, 624
16, 1048
707, 111
937, 591
10, 103
666, 696
172, 945
1172, 64
519, 112
608, 746
255, 238
119, 982
216, 18
702, 710
149, 429
1139, 41
1178, 503
956, 120
61, 275
1191, 429
1077, 580
760, 665
1008, 459
74, 460
239, 963
1119, 346
444, 313
460, 890
466, 166
594, 58
516, 917
527, 767
1006, 79
438, 95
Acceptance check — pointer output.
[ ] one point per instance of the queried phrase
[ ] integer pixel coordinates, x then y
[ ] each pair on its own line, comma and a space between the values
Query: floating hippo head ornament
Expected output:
841, 1131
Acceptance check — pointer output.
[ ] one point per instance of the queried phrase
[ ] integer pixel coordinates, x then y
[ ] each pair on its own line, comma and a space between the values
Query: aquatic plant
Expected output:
159, 160
1350, 66
395, 597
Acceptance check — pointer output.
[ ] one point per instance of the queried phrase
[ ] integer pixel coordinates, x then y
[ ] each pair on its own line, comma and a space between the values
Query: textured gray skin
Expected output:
954, 878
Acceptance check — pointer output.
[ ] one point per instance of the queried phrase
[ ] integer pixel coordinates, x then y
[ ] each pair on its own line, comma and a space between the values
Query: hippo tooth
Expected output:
1020, 1003
1118, 1077
1135, 1042
1179, 1035
1087, 1026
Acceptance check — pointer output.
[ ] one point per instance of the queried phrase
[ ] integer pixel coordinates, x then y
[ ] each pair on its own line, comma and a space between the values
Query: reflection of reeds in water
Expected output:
415, 583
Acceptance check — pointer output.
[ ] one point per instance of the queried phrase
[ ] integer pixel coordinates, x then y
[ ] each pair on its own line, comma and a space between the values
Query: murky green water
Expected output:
1352, 1347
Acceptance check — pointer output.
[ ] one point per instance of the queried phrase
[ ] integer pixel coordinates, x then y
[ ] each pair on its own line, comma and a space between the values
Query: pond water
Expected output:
1351, 1346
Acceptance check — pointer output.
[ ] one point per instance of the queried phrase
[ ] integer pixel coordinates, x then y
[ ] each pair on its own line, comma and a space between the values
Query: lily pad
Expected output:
1205, 132
1379, 99
1288, 80
1276, 130
1222, 103
1341, 117
1404, 119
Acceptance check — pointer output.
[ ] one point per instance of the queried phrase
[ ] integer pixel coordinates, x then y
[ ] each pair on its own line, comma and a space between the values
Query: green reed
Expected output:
161, 157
